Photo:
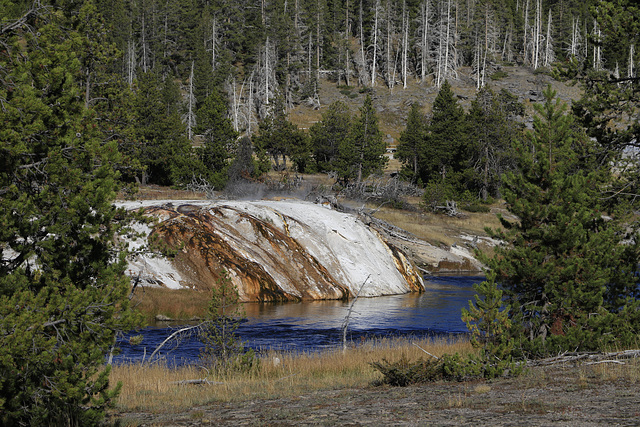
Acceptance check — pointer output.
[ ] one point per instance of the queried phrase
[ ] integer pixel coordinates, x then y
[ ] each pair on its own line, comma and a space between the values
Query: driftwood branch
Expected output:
435, 357
196, 382
451, 208
590, 358
172, 336
345, 324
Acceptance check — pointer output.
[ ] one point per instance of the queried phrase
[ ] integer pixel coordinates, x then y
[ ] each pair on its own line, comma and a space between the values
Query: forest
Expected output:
97, 97
179, 84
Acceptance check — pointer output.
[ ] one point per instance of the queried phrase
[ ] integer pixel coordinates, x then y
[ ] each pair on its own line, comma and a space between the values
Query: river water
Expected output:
317, 325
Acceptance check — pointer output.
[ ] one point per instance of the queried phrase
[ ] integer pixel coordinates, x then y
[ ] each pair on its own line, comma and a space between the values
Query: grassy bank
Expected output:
157, 388
183, 304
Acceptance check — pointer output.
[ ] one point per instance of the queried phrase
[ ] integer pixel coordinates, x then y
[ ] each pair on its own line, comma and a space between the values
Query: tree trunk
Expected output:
362, 60
424, 43
375, 44
525, 45
318, 42
405, 42
347, 31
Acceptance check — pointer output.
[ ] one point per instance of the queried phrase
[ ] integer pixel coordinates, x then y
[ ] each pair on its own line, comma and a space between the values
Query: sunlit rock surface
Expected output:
273, 250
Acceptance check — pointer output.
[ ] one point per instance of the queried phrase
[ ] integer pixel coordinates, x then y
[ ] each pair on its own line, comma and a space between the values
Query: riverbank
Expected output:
158, 388
341, 389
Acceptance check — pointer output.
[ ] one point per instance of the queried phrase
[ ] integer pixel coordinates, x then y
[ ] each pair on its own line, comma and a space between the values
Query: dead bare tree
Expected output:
405, 43
211, 45
345, 323
597, 51
267, 87
525, 41
375, 43
130, 63
144, 45
576, 38
426, 16
549, 55
361, 59
390, 71
347, 35
447, 58
189, 118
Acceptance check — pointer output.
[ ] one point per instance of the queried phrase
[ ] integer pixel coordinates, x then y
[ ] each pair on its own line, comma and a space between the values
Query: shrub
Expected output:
498, 75
404, 372
437, 195
476, 208
223, 351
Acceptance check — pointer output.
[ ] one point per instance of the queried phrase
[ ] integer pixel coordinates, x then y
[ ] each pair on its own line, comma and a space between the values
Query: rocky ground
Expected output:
565, 396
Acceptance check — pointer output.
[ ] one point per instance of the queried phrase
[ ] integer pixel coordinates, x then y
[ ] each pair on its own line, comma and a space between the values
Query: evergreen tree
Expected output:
410, 144
281, 139
487, 319
442, 157
63, 292
219, 139
610, 104
569, 277
327, 135
160, 140
243, 165
492, 127
362, 153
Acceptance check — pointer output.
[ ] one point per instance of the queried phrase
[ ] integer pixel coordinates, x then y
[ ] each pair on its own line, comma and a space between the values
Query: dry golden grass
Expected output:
156, 388
439, 229
611, 372
157, 192
173, 303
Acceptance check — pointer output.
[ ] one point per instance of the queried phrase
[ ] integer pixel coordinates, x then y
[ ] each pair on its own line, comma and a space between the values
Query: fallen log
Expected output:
196, 381
589, 357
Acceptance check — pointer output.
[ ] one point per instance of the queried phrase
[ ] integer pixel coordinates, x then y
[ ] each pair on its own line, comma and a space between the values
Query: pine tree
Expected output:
282, 139
442, 158
492, 126
362, 153
220, 139
327, 135
609, 102
410, 144
487, 319
569, 278
159, 136
63, 292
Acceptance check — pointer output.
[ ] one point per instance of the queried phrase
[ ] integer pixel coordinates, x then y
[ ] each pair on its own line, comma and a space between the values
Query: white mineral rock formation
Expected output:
273, 250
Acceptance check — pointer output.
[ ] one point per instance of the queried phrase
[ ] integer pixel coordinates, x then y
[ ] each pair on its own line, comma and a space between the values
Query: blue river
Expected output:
317, 325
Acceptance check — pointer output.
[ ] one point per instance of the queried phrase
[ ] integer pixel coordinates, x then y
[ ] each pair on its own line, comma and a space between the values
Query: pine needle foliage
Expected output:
487, 319
63, 292
223, 350
569, 270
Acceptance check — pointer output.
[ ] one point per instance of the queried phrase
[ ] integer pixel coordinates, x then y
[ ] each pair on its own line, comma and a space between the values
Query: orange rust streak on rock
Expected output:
258, 263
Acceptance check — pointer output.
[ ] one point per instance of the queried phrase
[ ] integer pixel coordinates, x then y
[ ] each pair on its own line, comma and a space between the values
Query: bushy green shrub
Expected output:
405, 372
476, 208
498, 75
437, 194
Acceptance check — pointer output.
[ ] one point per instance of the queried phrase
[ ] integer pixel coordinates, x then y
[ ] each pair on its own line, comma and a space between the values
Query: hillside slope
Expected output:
392, 105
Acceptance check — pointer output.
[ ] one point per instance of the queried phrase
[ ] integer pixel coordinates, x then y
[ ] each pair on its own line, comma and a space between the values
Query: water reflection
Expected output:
311, 326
